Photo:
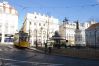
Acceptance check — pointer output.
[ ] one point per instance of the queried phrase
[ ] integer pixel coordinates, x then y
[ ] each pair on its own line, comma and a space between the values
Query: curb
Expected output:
63, 55
36, 50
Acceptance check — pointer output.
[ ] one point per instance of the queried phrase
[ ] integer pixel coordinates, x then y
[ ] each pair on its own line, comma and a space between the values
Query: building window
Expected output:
34, 23
43, 24
12, 26
39, 24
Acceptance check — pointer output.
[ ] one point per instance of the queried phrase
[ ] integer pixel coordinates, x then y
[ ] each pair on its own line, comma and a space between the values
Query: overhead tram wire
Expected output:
24, 7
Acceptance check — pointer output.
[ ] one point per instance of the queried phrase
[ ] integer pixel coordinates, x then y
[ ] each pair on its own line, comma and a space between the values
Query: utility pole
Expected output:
29, 31
95, 41
47, 35
41, 36
95, 38
48, 30
36, 33
36, 39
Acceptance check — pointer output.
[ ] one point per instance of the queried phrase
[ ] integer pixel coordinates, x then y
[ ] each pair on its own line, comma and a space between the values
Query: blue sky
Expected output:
82, 10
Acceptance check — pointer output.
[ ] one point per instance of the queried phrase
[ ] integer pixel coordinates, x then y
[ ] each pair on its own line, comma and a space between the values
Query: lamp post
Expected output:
47, 35
36, 39
95, 38
29, 31
36, 33
48, 30
41, 36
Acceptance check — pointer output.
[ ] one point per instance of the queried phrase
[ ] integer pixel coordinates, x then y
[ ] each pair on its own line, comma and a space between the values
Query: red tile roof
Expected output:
93, 26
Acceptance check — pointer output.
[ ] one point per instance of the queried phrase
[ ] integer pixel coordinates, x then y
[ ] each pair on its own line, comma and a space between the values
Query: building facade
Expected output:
79, 35
92, 35
68, 30
8, 23
40, 27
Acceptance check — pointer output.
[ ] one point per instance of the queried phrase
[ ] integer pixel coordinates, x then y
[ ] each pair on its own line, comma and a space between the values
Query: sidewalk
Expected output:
32, 48
72, 52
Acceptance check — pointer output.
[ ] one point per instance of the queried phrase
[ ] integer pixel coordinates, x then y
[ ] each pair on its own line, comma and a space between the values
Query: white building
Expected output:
92, 35
40, 27
80, 35
69, 32
8, 22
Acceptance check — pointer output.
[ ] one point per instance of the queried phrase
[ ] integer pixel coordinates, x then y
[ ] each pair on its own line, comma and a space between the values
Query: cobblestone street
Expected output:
21, 57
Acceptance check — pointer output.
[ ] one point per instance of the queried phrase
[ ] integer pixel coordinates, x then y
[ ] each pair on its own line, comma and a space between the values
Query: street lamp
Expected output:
48, 30
95, 38
47, 35
36, 34
36, 39
29, 31
41, 36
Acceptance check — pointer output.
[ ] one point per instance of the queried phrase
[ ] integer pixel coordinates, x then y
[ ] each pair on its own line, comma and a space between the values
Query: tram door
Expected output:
23, 40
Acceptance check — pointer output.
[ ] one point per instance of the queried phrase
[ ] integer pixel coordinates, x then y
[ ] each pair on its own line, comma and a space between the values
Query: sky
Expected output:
82, 10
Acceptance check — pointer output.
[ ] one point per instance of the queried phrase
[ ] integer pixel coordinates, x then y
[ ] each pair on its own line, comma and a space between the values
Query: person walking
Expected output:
45, 47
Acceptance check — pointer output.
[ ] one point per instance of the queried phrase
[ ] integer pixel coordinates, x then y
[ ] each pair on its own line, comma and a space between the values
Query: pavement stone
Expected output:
10, 62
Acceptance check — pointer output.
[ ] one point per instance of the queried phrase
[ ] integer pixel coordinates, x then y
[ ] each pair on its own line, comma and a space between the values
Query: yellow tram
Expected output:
21, 40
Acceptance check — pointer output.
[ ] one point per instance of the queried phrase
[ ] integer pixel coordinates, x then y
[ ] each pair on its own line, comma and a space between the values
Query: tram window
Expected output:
23, 38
